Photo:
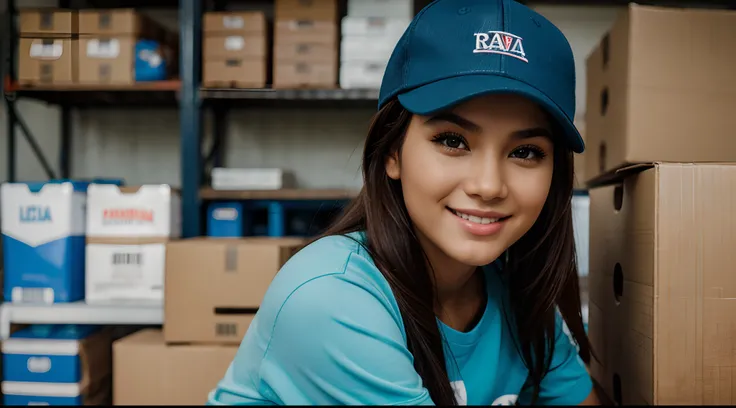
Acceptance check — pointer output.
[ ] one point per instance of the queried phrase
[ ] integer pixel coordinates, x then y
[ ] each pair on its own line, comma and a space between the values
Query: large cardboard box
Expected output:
662, 287
47, 22
661, 87
146, 371
46, 61
214, 286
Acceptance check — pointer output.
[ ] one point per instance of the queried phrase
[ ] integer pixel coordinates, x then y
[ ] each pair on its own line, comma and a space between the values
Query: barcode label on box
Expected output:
127, 259
226, 329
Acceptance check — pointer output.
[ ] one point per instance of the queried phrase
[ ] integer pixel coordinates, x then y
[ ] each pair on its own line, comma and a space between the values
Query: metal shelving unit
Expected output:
122, 313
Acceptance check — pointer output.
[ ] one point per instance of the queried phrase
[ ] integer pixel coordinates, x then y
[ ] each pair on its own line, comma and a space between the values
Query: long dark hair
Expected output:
541, 270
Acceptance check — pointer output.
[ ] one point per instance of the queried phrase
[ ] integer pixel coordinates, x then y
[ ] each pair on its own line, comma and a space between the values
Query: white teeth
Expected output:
476, 219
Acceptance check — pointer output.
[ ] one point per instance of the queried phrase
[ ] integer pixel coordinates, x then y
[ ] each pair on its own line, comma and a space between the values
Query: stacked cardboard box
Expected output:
305, 44
127, 232
368, 38
659, 119
235, 50
108, 46
47, 52
213, 288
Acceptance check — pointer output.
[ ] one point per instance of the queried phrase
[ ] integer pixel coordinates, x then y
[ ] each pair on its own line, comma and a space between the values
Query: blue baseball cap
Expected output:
455, 50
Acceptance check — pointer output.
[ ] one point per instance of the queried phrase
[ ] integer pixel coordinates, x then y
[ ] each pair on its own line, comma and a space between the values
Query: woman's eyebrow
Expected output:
455, 119
532, 132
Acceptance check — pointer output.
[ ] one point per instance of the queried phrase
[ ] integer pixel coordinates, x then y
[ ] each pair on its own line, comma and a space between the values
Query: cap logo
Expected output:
500, 42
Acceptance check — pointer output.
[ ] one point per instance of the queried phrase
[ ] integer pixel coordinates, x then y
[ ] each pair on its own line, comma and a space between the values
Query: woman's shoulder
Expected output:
323, 270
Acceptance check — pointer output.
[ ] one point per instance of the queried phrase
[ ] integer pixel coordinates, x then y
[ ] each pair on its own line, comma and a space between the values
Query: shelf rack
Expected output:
110, 313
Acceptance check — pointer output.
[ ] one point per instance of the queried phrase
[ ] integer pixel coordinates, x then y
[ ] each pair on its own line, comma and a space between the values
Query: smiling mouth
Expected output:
477, 219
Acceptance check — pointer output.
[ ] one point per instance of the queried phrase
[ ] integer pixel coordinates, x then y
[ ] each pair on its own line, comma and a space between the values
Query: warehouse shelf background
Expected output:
140, 134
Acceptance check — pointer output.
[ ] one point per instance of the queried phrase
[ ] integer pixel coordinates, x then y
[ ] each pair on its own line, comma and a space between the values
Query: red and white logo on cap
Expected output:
500, 42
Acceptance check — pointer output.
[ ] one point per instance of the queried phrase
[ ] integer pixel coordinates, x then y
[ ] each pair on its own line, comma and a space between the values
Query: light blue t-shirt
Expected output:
329, 331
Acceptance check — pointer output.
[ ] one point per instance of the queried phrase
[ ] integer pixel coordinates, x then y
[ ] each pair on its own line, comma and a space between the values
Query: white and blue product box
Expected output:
43, 228
57, 365
225, 220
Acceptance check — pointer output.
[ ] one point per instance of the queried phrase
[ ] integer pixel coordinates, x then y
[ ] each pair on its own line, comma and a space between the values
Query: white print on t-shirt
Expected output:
506, 400
461, 394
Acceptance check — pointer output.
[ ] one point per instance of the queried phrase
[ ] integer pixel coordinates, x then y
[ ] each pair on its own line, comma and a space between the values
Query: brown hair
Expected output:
541, 265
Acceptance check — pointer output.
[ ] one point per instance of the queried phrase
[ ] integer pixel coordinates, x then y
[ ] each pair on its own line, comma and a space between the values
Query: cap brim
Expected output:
446, 93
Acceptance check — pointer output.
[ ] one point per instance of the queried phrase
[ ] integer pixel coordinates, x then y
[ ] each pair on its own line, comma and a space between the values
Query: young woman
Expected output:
451, 279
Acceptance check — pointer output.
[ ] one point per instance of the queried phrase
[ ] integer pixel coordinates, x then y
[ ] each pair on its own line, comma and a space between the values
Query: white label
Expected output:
39, 364
233, 22
32, 295
151, 57
46, 50
107, 49
234, 43
225, 214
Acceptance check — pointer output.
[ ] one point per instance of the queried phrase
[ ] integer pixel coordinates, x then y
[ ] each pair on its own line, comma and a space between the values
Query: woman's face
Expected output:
475, 178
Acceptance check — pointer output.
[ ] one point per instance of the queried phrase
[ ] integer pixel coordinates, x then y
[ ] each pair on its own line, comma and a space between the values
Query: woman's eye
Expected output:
528, 153
451, 141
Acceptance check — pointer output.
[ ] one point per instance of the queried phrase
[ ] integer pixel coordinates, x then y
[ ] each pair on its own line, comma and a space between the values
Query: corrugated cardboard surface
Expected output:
47, 61
125, 22
661, 88
236, 46
663, 293
318, 10
148, 372
107, 60
235, 73
579, 159
213, 286
304, 74
234, 23
293, 32
47, 23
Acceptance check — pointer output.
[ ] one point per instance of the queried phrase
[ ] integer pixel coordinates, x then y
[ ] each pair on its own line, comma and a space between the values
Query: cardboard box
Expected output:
304, 74
47, 61
234, 23
306, 32
236, 46
124, 272
119, 22
662, 290
148, 211
579, 159
47, 23
235, 73
107, 60
661, 88
149, 372
213, 286
317, 10
305, 52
